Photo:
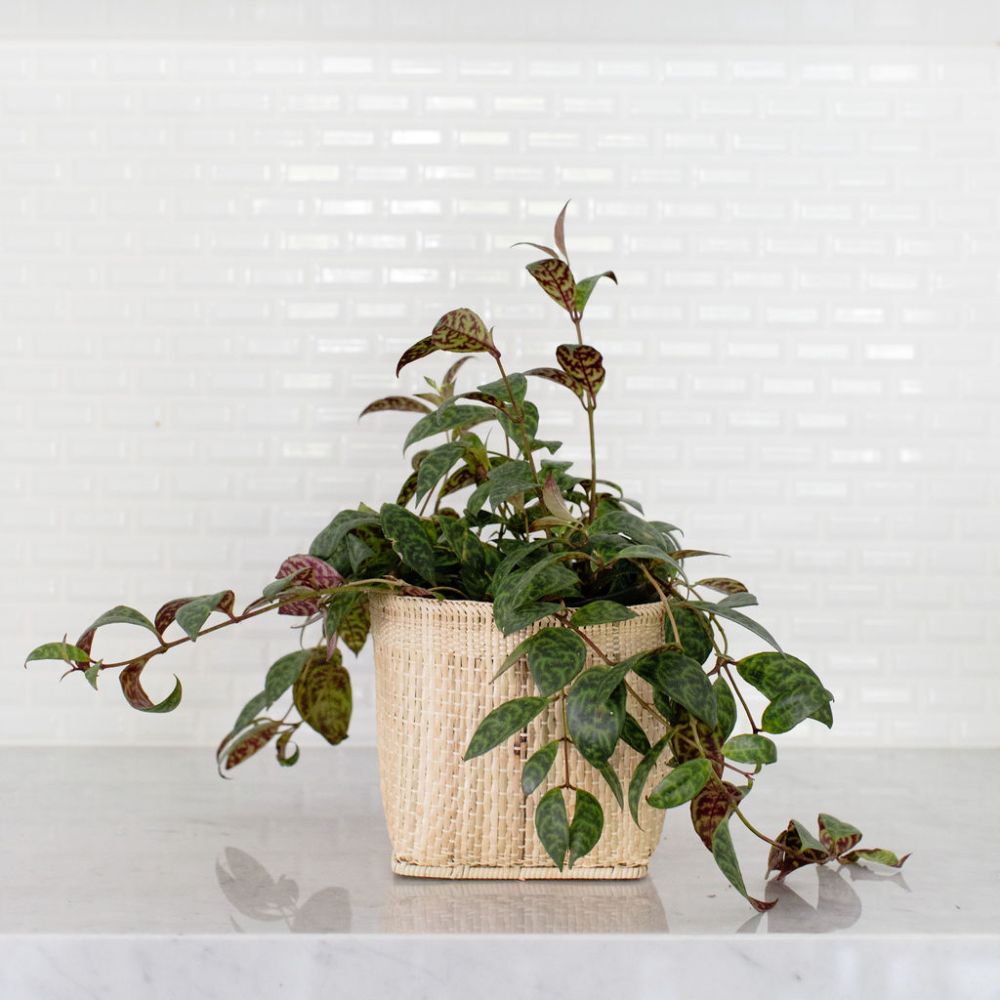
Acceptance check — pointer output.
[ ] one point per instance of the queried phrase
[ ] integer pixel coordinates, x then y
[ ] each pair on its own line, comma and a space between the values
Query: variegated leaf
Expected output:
250, 742
136, 696
712, 806
419, 350
322, 695
403, 404
463, 332
561, 378
723, 584
584, 363
836, 835
314, 573
556, 280
585, 286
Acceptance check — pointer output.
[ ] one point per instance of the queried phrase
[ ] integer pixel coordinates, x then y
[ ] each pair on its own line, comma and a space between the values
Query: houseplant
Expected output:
564, 566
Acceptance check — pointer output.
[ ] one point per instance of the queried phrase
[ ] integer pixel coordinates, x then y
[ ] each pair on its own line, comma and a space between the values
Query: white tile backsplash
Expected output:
212, 253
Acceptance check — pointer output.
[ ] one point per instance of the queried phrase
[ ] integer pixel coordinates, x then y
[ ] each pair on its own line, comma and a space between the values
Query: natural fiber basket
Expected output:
450, 818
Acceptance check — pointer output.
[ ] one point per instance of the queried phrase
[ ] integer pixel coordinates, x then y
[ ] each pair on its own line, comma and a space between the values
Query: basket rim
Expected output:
445, 602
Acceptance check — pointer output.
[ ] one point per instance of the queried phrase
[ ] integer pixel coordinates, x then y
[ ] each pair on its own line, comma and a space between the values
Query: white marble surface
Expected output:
139, 873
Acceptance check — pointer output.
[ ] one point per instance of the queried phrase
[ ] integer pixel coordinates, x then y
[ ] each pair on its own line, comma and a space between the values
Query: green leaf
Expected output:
498, 389
64, 651
552, 825
192, 615
510, 620
740, 619
750, 749
502, 723
584, 288
680, 678
434, 466
789, 709
876, 854
623, 522
776, 674
516, 598
284, 759
601, 613
522, 437
137, 697
275, 587
537, 767
555, 279
727, 707
448, 417
647, 552
634, 735
607, 772
344, 523
283, 673
508, 480
555, 657
587, 826
348, 617
122, 615
406, 532
91, 673
641, 775
682, 784
251, 710
694, 630
725, 857
836, 835
322, 695
592, 719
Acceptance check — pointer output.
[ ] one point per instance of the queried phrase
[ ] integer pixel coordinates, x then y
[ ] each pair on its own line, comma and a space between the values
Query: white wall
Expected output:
213, 251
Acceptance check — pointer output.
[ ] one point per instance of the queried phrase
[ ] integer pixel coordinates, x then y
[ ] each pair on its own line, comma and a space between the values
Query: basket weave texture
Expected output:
450, 818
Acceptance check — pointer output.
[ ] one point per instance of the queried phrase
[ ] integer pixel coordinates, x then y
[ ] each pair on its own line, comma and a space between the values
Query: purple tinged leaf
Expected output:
722, 583
403, 404
795, 848
556, 280
583, 363
314, 573
464, 332
224, 602
419, 350
559, 232
713, 806
136, 696
553, 499
836, 835
452, 373
250, 742
537, 246
560, 378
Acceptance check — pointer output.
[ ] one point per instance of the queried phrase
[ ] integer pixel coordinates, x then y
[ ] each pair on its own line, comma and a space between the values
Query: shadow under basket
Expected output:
456, 819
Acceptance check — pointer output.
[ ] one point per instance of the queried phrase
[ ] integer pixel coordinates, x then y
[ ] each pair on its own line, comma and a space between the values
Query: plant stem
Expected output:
590, 407
739, 694
663, 600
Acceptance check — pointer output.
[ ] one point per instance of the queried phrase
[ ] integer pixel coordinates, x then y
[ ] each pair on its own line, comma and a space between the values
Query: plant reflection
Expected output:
251, 889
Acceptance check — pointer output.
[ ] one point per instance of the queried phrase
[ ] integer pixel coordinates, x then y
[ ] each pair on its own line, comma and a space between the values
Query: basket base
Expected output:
521, 873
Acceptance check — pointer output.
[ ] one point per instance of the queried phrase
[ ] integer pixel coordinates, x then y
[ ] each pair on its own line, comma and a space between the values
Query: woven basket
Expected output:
434, 661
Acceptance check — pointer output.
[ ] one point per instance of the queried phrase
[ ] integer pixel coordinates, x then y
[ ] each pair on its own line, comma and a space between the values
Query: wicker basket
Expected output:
453, 819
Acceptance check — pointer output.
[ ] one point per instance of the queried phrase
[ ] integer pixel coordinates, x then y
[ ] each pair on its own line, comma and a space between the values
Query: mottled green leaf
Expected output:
682, 784
513, 619
749, 748
836, 835
284, 758
537, 766
587, 826
251, 710
463, 331
623, 522
414, 353
330, 537
121, 615
584, 288
727, 707
502, 723
740, 619
552, 825
64, 651
789, 709
649, 553
725, 857
680, 678
448, 417
793, 848
283, 674
694, 630
518, 387
521, 436
555, 279
406, 532
779, 674
434, 466
634, 735
712, 806
723, 584
594, 724
348, 617
92, 673
508, 480
555, 657
641, 775
275, 587
601, 612
322, 695
608, 773
193, 614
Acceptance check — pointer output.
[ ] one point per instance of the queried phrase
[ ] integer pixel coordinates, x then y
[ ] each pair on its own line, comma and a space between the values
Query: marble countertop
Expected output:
139, 873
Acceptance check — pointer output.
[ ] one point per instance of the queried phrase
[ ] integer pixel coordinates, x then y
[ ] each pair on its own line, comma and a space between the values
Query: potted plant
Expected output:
551, 673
